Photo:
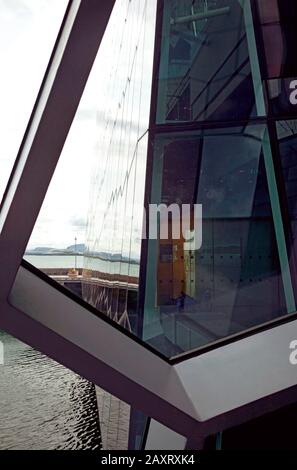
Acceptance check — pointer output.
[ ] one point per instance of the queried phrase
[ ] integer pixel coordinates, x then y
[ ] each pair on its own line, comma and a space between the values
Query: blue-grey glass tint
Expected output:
275, 21
275, 24
208, 62
113, 245
287, 139
234, 281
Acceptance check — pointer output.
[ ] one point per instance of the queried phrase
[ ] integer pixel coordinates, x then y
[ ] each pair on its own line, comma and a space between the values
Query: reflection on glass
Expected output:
234, 281
276, 24
287, 138
192, 297
88, 234
205, 66
28, 29
97, 192
138, 427
112, 257
277, 20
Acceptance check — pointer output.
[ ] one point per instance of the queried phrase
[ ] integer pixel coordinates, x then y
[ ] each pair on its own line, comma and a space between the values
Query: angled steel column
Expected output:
196, 397
64, 328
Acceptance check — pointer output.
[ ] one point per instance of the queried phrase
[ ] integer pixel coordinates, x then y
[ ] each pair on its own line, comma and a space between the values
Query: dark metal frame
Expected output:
68, 293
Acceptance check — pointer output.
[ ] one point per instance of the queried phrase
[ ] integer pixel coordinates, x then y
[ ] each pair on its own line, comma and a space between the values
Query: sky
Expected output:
28, 29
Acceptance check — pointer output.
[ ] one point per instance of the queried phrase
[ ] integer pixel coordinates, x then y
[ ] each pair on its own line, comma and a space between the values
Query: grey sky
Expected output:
28, 29
27, 33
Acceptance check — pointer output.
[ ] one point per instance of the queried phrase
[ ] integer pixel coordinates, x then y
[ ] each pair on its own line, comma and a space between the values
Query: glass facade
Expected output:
113, 246
234, 281
212, 141
287, 147
184, 115
196, 102
276, 20
114, 229
276, 31
214, 145
206, 65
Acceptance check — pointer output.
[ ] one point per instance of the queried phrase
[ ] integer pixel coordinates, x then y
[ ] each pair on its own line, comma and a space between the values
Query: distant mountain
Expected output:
80, 248
44, 250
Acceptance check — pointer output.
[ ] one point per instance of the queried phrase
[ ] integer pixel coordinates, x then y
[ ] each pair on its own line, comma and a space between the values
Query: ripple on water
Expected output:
43, 405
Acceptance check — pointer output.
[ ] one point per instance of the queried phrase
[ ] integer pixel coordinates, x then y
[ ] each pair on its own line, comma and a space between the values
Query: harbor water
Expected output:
43, 405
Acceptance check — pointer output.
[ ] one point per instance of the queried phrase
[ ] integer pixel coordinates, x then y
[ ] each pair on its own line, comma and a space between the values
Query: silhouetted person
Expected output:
182, 299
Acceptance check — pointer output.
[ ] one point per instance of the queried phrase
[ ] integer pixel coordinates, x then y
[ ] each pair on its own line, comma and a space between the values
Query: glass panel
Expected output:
88, 234
28, 29
287, 139
193, 296
112, 257
268, 11
283, 96
277, 19
207, 58
234, 281
97, 191
277, 28
138, 428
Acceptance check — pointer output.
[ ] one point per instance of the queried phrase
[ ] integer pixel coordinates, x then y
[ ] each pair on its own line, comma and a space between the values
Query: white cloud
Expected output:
28, 29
